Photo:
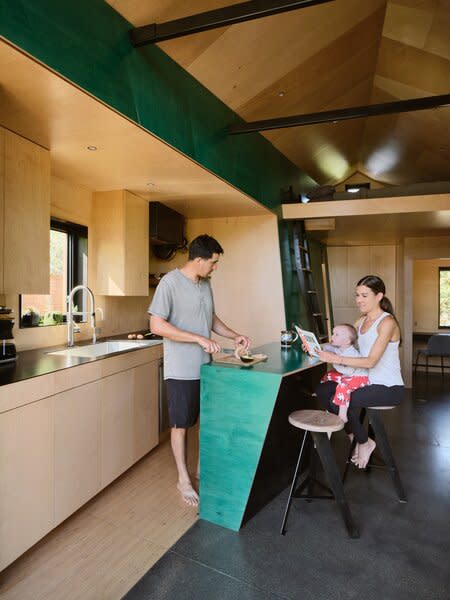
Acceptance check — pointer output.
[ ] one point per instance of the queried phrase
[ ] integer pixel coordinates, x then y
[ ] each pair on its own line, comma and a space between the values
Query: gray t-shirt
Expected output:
188, 306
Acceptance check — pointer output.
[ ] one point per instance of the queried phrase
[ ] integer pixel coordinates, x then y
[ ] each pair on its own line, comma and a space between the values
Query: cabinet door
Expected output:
26, 478
136, 245
146, 408
120, 244
26, 216
117, 425
2, 200
77, 448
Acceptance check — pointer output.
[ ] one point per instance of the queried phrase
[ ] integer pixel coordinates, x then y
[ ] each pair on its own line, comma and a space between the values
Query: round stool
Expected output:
320, 424
379, 432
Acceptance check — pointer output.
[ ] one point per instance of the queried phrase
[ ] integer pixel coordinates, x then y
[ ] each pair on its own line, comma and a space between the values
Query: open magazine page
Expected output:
309, 340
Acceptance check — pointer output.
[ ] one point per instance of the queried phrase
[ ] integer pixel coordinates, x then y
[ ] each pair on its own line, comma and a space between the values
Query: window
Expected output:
68, 268
444, 297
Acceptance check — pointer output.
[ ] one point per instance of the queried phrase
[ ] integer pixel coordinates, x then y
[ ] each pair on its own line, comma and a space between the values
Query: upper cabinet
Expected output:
25, 206
119, 244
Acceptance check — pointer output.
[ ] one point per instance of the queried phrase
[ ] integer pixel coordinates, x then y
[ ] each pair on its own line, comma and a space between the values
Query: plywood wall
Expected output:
348, 264
426, 294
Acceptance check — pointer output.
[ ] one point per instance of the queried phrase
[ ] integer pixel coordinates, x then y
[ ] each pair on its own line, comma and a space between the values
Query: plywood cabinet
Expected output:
145, 409
117, 425
58, 451
120, 244
25, 199
27, 477
77, 448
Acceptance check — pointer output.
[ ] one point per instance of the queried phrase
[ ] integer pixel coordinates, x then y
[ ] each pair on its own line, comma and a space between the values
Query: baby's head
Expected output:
344, 335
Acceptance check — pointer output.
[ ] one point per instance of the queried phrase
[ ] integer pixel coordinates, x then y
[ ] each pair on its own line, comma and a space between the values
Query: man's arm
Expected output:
219, 327
161, 327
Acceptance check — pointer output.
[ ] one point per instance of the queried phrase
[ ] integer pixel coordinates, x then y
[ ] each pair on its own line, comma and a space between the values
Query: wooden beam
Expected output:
320, 224
368, 206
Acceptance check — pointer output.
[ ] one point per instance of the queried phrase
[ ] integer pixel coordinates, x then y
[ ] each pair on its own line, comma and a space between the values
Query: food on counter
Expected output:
132, 336
139, 336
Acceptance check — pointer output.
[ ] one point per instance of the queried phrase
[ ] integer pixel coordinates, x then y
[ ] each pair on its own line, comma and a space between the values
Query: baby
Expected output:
348, 378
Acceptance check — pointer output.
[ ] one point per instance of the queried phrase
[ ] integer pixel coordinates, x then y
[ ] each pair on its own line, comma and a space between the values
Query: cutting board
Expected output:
230, 359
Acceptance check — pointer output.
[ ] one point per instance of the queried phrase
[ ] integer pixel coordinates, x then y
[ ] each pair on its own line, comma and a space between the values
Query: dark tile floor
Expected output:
403, 552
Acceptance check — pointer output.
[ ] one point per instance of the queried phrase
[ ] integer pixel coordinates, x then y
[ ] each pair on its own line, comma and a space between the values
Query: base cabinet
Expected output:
117, 425
77, 448
58, 452
145, 409
27, 477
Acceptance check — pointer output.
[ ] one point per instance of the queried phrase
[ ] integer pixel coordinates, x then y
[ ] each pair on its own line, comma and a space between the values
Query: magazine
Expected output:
309, 340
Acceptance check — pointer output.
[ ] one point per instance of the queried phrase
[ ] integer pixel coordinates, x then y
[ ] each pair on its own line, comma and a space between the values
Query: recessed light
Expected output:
92, 148
150, 184
281, 94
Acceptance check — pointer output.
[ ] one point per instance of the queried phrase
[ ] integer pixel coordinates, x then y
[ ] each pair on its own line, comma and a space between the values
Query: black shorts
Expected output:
183, 401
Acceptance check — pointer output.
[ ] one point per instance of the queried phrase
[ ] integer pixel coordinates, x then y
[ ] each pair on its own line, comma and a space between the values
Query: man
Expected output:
182, 312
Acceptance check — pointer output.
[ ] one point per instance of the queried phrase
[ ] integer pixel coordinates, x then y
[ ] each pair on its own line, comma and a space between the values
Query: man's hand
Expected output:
208, 345
243, 341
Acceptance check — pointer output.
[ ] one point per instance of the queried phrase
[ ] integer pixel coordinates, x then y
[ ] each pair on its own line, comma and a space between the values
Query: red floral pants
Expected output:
346, 384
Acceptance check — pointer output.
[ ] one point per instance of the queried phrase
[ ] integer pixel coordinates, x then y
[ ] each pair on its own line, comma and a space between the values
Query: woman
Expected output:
379, 339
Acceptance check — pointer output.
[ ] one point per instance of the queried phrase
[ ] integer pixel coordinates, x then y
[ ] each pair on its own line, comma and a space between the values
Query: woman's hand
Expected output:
327, 357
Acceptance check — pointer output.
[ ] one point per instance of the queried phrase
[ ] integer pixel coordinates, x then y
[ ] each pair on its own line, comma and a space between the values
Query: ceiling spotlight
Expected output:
92, 148
150, 184
281, 94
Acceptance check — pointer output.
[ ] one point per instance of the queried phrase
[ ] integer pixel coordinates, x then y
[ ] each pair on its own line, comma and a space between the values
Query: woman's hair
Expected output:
376, 284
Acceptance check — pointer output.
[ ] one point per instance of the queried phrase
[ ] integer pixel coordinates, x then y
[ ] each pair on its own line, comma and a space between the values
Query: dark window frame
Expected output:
77, 241
439, 298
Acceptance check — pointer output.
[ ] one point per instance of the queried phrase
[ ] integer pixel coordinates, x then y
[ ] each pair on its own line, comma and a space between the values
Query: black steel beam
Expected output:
330, 116
220, 17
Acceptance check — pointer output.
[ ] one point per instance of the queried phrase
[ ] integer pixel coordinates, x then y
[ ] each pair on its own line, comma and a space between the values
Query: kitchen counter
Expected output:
248, 449
33, 363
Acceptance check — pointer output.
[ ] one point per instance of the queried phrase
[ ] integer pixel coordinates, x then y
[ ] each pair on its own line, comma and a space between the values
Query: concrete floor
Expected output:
403, 551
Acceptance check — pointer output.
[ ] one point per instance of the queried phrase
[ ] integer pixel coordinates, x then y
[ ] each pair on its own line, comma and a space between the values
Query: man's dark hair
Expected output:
204, 246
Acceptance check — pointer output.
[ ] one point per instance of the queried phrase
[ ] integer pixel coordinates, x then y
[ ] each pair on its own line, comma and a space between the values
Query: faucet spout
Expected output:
71, 313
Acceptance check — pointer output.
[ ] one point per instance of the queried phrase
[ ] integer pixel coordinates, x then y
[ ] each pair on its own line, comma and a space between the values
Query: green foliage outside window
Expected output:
444, 297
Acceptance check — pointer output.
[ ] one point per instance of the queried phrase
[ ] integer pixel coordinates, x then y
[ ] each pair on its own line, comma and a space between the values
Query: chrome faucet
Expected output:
71, 326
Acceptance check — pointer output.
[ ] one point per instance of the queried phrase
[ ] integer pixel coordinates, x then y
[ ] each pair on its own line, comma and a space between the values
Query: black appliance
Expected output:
166, 225
7, 346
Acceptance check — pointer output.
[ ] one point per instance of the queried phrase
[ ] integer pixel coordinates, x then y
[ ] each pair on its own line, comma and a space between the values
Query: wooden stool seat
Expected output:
316, 420
319, 425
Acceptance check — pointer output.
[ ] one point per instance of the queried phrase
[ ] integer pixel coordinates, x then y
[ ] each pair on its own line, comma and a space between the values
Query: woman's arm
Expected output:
386, 330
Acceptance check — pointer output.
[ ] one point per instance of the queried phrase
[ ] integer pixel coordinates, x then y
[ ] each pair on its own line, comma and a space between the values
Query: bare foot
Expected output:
188, 494
364, 452
354, 457
343, 413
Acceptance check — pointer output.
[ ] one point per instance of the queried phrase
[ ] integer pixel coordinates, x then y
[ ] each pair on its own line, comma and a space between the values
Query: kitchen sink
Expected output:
105, 348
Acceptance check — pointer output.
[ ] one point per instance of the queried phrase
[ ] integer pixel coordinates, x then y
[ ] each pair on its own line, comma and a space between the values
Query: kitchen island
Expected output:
247, 447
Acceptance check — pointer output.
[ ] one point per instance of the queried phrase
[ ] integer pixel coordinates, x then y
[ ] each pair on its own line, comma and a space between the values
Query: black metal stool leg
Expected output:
294, 483
362, 416
386, 452
334, 479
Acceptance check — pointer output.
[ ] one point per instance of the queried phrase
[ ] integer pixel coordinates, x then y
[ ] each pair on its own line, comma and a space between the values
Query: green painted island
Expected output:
247, 448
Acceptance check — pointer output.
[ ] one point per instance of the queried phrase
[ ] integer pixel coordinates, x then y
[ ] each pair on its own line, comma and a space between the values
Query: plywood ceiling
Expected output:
38, 104
340, 54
